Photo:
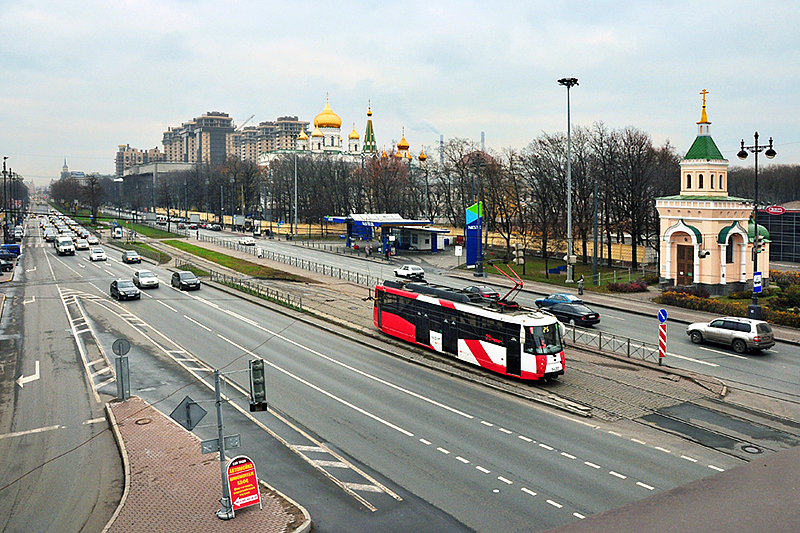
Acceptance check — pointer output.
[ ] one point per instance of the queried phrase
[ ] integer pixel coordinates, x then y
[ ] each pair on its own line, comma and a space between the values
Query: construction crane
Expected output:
245, 123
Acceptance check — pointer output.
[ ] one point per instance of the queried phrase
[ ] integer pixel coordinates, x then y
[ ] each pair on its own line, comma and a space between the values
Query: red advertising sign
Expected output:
776, 210
243, 482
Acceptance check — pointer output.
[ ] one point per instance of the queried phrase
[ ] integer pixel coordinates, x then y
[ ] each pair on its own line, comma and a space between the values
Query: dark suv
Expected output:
741, 334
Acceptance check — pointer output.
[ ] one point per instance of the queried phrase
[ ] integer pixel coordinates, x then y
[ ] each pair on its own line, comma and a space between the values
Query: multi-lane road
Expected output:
362, 439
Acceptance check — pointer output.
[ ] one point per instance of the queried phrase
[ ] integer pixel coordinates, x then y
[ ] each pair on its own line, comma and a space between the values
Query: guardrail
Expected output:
258, 289
312, 266
616, 344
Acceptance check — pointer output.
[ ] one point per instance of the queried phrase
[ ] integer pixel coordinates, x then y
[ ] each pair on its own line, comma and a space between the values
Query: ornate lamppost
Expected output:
754, 310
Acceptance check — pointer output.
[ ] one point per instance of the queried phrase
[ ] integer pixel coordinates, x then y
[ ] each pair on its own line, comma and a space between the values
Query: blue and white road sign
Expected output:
662, 315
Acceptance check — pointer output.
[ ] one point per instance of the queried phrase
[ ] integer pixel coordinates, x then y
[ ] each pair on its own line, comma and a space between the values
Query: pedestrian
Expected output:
198, 235
580, 285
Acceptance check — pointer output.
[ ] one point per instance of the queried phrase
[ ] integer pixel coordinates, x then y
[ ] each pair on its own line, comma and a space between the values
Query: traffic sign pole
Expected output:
662, 336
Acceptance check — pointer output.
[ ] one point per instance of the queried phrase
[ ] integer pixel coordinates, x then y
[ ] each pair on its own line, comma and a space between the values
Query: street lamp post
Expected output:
569, 83
754, 310
294, 232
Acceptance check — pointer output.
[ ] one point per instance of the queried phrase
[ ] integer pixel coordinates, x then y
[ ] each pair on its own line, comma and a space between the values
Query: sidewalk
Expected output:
171, 486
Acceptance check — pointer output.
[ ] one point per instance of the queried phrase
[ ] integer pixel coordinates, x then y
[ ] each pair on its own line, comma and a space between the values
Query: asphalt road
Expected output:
451, 450
60, 470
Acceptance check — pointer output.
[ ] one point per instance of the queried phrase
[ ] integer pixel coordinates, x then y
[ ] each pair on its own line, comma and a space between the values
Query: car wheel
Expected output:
571, 321
696, 337
739, 346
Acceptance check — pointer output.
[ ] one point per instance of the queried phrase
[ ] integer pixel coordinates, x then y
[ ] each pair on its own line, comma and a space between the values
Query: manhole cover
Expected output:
749, 448
143, 421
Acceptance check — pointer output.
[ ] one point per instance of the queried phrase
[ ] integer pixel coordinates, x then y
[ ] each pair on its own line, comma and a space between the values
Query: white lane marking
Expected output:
659, 448
555, 504
28, 432
545, 446
578, 515
693, 460
587, 463
440, 449
482, 469
528, 491
190, 319
737, 356
648, 487
506, 431
637, 441
465, 461
568, 456
718, 469
523, 437
322, 391
425, 442
485, 423
168, 306
698, 361
504, 480
616, 474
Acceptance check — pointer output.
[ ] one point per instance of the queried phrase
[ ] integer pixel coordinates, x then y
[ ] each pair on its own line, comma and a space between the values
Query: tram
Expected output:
500, 336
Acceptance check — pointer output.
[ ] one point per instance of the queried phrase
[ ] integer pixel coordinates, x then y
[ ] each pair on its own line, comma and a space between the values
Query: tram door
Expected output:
513, 355
422, 324
449, 335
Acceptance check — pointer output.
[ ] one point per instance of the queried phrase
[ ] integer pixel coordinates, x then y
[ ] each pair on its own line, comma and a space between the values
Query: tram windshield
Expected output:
543, 340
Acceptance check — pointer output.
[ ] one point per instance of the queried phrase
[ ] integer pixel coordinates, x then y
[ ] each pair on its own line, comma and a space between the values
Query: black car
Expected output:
185, 280
124, 289
574, 314
131, 257
7, 256
487, 294
6, 266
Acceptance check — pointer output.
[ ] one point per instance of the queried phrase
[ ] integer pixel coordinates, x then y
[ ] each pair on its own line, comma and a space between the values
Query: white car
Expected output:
97, 254
145, 279
409, 271
93, 240
247, 241
81, 244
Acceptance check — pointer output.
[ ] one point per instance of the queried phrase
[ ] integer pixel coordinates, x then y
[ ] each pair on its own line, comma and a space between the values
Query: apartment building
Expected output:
127, 157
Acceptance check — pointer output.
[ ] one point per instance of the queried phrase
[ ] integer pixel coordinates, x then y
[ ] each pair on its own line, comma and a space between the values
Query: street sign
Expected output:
757, 282
243, 482
662, 315
212, 445
188, 413
121, 346
776, 210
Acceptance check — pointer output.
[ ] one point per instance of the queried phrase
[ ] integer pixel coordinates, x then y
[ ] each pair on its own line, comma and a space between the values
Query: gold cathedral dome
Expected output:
354, 134
327, 119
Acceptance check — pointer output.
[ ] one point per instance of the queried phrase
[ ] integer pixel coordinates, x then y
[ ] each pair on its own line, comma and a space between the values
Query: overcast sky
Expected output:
81, 77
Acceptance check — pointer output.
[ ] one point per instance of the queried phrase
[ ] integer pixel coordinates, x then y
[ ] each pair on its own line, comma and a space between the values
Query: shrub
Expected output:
694, 291
632, 286
652, 279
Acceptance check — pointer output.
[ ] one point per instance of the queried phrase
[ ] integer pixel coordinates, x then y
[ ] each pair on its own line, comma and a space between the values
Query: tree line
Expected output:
618, 172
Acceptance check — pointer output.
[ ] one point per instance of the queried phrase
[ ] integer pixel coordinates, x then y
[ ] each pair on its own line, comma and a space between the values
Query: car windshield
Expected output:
125, 284
97, 250
146, 274
188, 276
582, 309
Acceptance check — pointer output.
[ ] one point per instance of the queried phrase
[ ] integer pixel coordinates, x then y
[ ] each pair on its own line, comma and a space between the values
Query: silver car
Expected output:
145, 279
742, 334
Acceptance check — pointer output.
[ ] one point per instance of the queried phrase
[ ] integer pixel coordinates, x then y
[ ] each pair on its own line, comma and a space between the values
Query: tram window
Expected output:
542, 339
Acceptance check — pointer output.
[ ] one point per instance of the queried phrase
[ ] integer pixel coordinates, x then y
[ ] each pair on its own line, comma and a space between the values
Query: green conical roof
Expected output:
704, 148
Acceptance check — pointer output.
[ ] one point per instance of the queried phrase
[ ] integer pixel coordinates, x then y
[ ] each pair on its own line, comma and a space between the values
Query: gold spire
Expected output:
703, 116
422, 157
369, 108
353, 134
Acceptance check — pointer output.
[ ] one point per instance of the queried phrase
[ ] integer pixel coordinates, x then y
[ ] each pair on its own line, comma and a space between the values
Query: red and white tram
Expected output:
499, 336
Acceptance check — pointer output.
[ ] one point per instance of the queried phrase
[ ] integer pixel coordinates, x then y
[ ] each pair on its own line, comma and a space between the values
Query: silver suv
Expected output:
741, 334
